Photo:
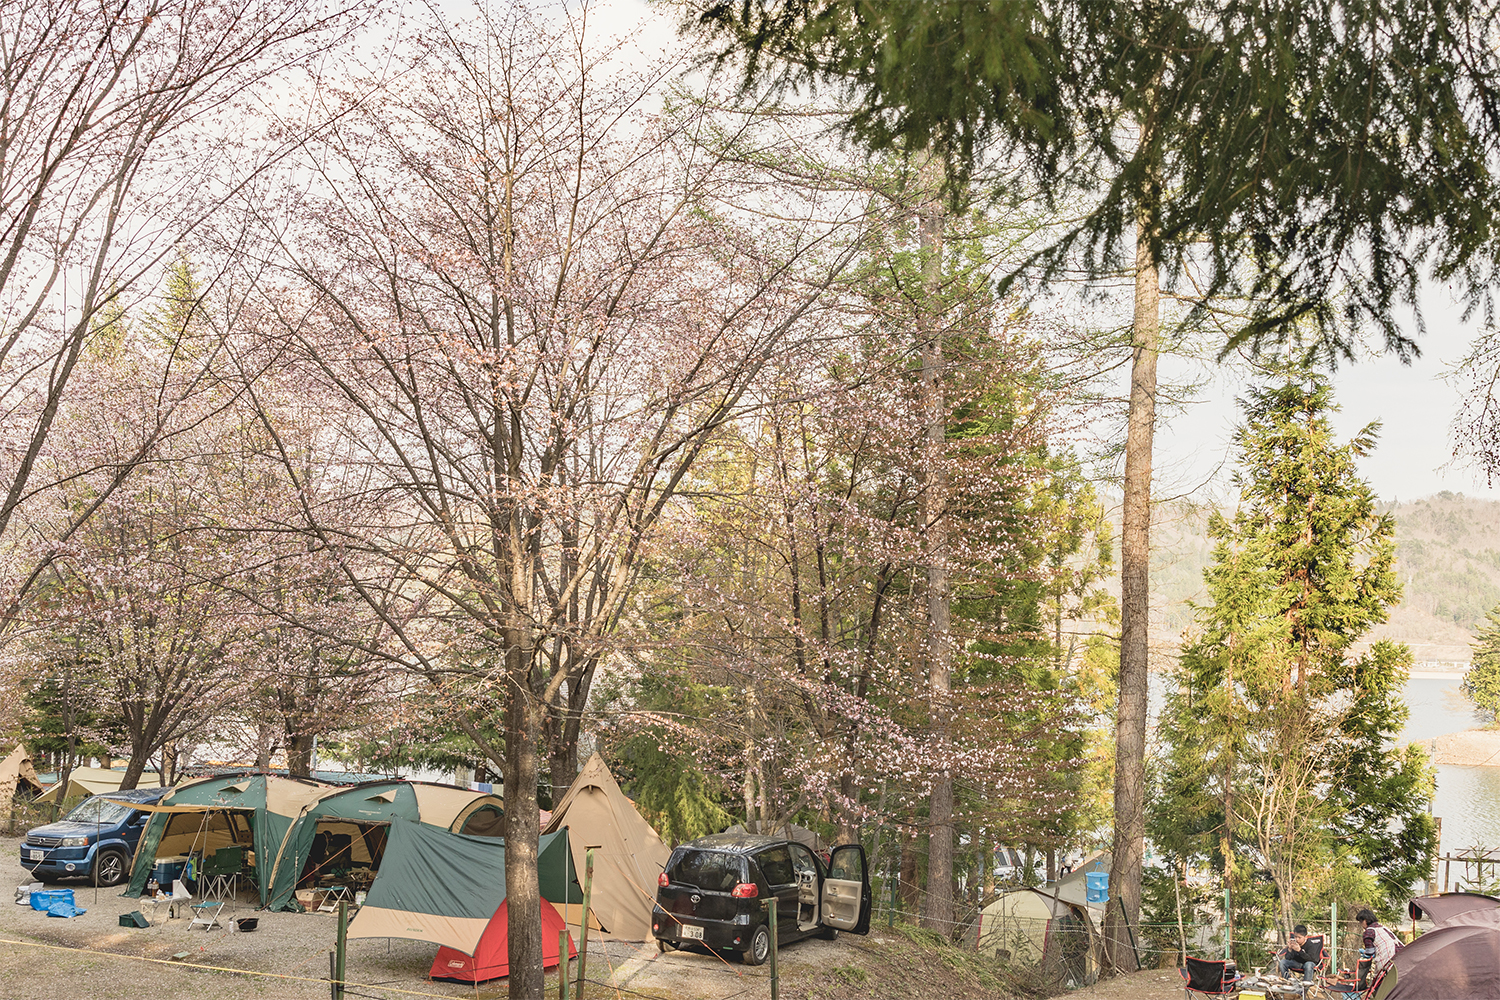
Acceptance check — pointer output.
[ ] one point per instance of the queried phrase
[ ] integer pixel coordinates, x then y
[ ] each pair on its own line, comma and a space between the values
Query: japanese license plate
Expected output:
692, 933
37, 855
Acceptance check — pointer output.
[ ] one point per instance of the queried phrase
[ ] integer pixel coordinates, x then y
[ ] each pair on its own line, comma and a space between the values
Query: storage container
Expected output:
1097, 886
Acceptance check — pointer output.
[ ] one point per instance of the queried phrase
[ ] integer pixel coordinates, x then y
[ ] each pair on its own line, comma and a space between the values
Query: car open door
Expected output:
846, 891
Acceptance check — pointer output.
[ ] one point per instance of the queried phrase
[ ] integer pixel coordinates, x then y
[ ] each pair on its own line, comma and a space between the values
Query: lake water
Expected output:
1467, 798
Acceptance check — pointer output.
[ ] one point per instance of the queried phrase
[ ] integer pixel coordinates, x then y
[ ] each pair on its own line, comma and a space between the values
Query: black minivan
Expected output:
714, 890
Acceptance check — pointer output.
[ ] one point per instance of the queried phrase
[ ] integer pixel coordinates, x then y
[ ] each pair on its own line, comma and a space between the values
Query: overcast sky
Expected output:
1413, 403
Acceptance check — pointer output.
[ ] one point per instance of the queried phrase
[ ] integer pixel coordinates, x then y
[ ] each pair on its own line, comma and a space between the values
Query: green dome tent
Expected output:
355, 822
446, 888
254, 811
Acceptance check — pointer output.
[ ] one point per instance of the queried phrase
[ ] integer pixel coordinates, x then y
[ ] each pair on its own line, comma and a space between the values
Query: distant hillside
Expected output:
1447, 552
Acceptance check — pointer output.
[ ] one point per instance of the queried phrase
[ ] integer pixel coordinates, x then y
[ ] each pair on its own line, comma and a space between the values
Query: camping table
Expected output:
1276, 987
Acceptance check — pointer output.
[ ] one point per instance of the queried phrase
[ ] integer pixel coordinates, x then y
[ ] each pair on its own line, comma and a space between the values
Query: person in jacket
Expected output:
1294, 959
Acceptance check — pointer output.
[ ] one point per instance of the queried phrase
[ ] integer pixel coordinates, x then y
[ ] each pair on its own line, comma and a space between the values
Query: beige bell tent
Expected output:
94, 781
628, 855
16, 774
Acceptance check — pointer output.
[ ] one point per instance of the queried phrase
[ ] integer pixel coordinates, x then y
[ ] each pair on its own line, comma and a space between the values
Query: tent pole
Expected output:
583, 920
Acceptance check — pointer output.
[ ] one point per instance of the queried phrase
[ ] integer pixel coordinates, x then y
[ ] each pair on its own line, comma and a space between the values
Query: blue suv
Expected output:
97, 839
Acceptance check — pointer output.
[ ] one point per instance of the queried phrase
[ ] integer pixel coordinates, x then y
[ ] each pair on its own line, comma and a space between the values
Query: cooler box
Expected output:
1096, 886
167, 870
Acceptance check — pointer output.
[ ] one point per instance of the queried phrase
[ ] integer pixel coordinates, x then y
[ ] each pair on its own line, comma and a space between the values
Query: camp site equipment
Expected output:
84, 781
629, 856
200, 817
346, 827
449, 889
1029, 927
1458, 960
18, 778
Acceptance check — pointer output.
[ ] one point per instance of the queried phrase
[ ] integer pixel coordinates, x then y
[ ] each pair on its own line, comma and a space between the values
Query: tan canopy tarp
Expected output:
95, 781
445, 805
628, 856
15, 771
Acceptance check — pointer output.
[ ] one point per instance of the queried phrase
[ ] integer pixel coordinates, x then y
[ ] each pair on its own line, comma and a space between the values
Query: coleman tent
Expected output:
1459, 960
200, 817
85, 781
449, 889
628, 855
346, 828
18, 777
1028, 928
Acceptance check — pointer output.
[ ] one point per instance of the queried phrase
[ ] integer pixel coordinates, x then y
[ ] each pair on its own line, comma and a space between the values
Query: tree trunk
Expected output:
937, 911
522, 830
910, 899
1135, 554
135, 767
299, 749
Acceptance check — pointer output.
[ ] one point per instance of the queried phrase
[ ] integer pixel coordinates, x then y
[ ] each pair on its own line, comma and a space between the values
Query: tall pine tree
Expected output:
1280, 759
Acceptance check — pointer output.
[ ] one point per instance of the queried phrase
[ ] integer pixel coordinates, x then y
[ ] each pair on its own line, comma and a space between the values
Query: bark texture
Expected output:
1135, 552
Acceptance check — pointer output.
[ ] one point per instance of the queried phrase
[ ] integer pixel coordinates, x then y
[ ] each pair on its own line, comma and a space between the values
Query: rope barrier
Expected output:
219, 968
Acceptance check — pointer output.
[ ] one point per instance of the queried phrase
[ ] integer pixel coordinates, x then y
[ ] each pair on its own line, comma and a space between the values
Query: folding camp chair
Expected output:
221, 873
1206, 977
1313, 949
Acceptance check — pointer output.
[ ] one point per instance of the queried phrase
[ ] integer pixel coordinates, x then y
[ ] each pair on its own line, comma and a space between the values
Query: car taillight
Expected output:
662, 880
745, 890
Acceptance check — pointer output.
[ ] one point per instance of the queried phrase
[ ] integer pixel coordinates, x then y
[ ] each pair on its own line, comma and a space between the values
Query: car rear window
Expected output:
711, 870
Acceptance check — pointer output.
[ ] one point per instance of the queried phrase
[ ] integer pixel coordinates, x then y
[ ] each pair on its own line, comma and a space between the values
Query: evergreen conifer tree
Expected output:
1279, 741
1482, 682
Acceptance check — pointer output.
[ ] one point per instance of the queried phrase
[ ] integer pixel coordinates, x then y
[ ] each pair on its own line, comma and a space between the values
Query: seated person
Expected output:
1294, 959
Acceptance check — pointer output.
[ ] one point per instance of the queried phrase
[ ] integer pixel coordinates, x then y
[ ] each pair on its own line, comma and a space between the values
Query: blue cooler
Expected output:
166, 871
1097, 886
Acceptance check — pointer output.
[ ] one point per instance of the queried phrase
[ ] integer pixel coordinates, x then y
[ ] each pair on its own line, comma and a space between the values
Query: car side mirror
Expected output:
138, 819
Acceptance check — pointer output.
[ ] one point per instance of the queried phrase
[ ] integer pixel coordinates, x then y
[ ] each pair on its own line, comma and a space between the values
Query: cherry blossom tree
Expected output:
124, 126
532, 302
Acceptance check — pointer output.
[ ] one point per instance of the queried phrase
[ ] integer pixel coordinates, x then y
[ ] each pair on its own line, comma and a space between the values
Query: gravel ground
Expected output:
43, 957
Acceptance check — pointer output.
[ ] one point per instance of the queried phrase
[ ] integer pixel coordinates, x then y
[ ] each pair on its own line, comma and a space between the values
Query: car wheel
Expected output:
828, 933
760, 947
109, 868
663, 945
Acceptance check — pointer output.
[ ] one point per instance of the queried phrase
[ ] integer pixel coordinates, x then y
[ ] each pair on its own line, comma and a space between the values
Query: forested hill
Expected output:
1448, 555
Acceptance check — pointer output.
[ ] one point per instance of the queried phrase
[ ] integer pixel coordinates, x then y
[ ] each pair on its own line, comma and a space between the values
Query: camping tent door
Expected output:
846, 890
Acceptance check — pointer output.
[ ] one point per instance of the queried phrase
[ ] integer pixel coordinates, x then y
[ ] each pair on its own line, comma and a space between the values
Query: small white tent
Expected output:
628, 855
1030, 929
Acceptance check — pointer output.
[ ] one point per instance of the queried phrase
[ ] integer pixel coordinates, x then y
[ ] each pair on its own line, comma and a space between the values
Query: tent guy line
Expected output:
221, 968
